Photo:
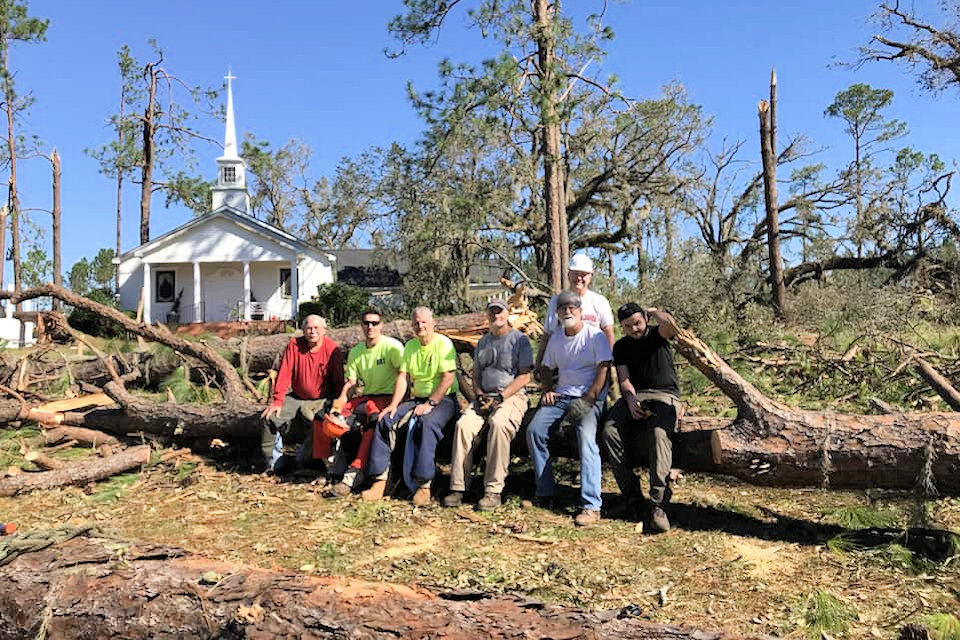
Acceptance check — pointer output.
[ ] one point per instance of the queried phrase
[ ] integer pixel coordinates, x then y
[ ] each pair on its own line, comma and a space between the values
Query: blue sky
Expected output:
316, 71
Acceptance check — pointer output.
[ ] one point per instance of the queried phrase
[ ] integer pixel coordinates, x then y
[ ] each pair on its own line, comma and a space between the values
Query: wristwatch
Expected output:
431, 402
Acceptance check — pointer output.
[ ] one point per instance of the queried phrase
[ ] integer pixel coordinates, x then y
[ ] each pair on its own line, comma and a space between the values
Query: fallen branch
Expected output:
89, 437
78, 473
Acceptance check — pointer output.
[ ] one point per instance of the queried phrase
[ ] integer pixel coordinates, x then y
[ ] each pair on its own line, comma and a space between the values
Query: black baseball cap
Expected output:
628, 310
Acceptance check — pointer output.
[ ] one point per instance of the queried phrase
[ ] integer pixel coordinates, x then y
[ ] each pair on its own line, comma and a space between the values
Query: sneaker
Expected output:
421, 497
453, 499
285, 465
489, 502
587, 518
375, 492
340, 490
658, 520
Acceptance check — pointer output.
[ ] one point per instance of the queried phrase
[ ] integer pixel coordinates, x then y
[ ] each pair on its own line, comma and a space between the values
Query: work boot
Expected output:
658, 520
375, 492
587, 518
339, 490
489, 502
453, 499
421, 497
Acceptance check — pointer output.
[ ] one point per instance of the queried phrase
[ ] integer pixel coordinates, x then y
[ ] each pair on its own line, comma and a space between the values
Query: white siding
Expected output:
222, 243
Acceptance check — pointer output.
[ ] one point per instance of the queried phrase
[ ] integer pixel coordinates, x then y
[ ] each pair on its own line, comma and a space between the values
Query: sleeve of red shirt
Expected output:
335, 370
285, 374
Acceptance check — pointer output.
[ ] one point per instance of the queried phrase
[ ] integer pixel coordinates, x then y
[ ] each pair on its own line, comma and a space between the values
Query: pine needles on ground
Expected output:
826, 612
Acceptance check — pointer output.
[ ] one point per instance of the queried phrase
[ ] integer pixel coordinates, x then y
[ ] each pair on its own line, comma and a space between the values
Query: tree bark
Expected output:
553, 189
146, 170
153, 591
777, 287
55, 225
78, 473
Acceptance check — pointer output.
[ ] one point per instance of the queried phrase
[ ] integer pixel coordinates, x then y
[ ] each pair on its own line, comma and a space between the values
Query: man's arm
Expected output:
348, 384
601, 379
666, 325
628, 392
446, 381
517, 385
608, 331
399, 391
282, 384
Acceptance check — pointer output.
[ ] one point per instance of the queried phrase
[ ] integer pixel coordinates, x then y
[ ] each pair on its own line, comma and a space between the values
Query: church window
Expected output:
166, 286
229, 174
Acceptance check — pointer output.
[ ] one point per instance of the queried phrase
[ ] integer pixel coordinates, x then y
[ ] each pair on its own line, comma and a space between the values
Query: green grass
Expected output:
826, 613
185, 469
942, 626
112, 489
363, 513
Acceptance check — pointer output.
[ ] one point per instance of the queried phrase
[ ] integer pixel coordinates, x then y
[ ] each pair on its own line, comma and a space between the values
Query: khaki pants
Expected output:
500, 426
624, 441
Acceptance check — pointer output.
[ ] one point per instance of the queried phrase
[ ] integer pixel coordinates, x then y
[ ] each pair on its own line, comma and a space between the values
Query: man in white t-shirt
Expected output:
595, 308
580, 355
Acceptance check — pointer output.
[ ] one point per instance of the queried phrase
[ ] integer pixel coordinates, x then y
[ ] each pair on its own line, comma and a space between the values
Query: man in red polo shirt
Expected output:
310, 376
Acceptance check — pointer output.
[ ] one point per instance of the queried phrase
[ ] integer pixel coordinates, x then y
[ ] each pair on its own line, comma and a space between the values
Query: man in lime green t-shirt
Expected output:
430, 364
372, 374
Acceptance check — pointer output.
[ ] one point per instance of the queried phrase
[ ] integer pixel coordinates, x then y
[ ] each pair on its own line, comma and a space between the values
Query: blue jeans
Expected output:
424, 434
538, 433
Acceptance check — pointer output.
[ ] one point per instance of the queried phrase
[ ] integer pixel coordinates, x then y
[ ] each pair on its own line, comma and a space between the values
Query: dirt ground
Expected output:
742, 558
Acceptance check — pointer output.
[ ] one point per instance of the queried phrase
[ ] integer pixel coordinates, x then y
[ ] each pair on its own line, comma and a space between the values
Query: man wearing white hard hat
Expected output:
595, 308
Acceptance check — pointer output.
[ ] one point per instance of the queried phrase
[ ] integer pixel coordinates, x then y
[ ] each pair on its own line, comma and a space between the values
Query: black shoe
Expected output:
285, 465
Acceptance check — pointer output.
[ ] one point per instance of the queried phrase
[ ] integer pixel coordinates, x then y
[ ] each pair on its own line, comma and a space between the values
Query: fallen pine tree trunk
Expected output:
772, 443
71, 583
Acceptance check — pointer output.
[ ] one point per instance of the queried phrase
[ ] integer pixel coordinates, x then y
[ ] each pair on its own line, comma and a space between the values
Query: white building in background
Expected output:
223, 265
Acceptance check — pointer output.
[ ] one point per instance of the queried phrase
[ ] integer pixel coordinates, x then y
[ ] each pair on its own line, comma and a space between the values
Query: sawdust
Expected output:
403, 547
761, 561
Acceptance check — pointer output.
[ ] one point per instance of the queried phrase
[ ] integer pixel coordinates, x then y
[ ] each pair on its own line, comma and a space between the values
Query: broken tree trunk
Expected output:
77, 473
771, 443
136, 590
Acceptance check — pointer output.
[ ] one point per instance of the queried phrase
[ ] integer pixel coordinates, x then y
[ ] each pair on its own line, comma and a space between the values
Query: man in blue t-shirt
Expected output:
646, 415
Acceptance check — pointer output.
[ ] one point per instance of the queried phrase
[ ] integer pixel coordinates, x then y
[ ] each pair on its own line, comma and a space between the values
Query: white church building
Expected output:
224, 265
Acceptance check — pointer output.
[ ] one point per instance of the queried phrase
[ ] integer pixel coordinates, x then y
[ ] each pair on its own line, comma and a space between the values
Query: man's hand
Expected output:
549, 398
636, 412
422, 409
590, 398
389, 410
269, 411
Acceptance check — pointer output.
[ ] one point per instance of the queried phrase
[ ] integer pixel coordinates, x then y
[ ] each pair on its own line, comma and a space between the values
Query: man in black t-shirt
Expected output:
647, 413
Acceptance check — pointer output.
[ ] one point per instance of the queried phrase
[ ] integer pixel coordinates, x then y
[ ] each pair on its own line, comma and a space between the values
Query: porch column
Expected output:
294, 289
246, 290
197, 298
147, 293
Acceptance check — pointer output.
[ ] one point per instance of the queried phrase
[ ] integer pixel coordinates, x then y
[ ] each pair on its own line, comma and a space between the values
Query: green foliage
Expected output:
826, 613
860, 517
942, 626
179, 384
98, 273
36, 267
340, 304
93, 323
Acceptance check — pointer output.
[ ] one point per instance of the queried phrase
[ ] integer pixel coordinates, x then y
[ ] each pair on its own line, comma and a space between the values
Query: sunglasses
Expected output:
370, 323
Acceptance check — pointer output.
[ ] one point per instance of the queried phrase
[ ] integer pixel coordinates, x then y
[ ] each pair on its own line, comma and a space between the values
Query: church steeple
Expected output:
231, 187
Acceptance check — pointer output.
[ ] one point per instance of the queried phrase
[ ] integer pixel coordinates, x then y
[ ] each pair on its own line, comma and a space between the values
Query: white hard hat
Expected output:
581, 262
